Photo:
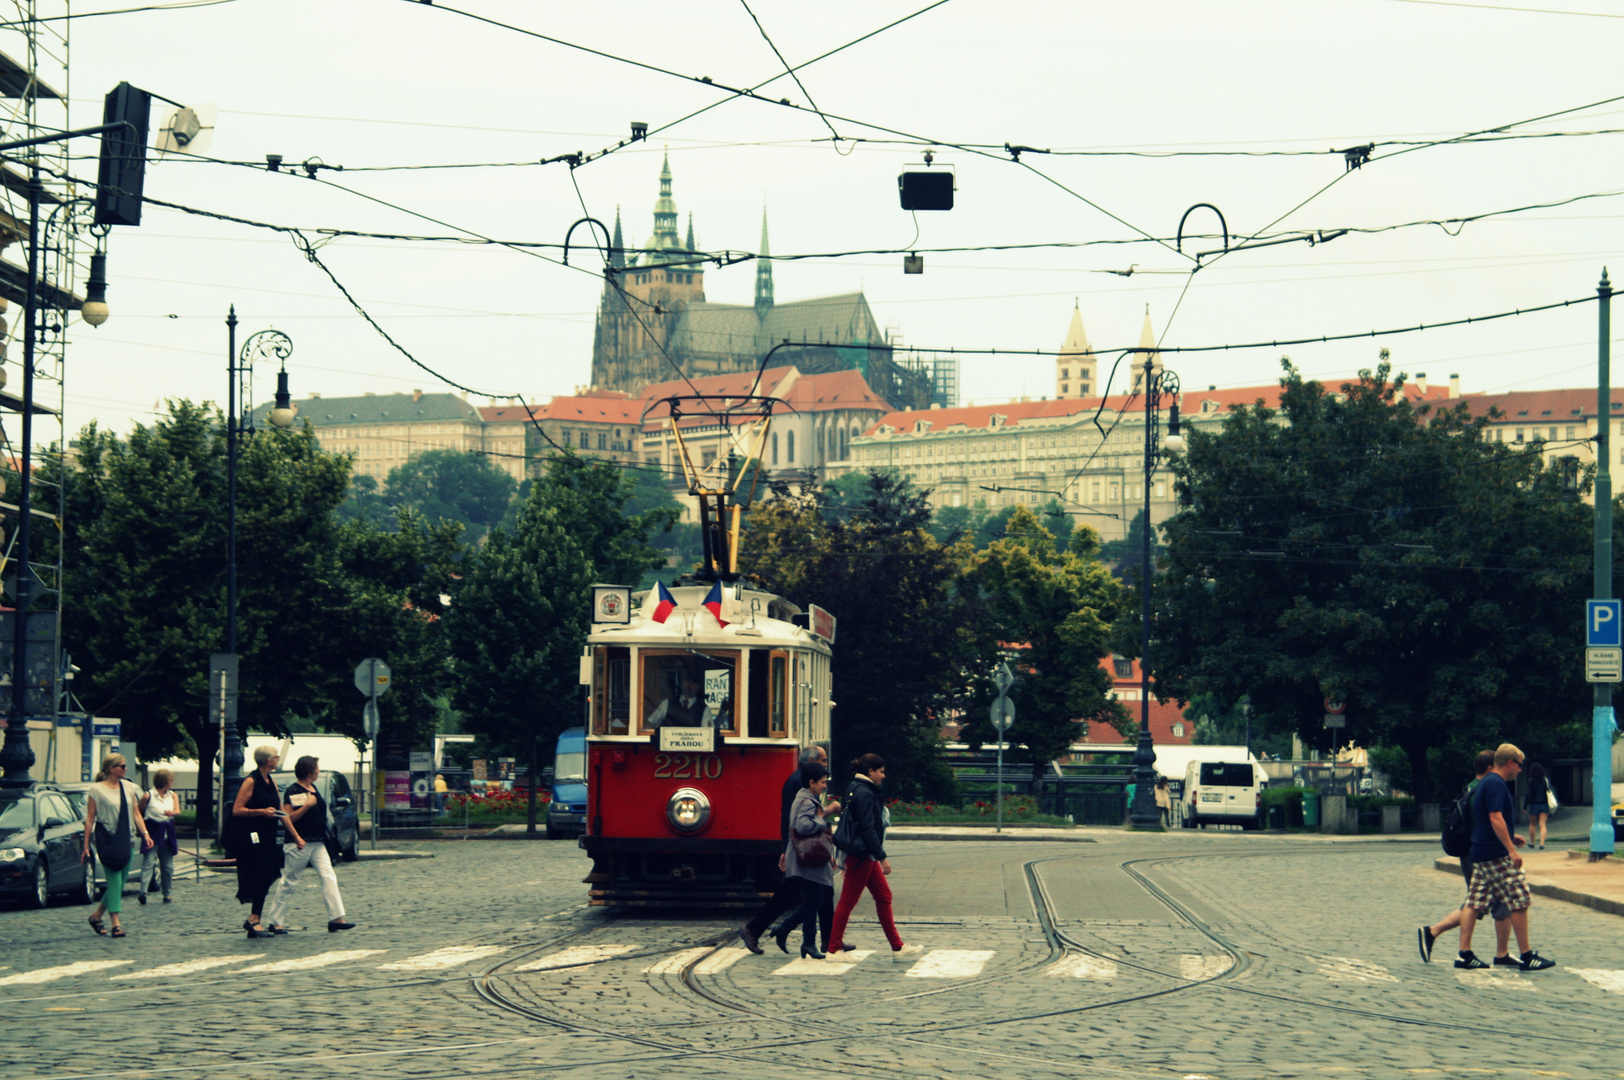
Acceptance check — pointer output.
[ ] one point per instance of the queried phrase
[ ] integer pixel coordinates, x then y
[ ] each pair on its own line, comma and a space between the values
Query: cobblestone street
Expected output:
1212, 955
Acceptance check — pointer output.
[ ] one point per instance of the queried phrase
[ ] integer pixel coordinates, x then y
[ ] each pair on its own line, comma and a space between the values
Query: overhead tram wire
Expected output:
790, 71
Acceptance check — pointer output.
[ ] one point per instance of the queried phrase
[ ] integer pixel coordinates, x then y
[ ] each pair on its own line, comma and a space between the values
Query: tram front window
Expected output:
688, 690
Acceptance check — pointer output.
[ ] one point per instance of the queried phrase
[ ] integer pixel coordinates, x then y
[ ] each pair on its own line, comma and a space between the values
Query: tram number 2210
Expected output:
687, 766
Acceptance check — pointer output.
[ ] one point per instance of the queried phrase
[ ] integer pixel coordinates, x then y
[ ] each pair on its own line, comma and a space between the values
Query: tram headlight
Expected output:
688, 810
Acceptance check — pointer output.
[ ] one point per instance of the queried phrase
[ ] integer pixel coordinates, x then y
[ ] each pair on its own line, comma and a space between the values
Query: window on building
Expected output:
603, 440
1178, 730
775, 448
1572, 432
583, 440
789, 447
1123, 666
1065, 388
1519, 434
1553, 433
1065, 373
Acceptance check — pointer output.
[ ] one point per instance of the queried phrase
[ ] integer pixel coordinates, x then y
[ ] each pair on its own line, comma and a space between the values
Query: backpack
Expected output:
846, 837
1457, 835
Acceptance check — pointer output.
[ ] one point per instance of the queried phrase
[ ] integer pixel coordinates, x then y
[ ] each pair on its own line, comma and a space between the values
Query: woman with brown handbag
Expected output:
808, 858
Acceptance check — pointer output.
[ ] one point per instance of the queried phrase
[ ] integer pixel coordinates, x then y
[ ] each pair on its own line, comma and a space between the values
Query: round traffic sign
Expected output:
1334, 705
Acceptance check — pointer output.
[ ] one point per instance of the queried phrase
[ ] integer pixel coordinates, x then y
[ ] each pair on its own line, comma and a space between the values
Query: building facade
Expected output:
601, 425
382, 431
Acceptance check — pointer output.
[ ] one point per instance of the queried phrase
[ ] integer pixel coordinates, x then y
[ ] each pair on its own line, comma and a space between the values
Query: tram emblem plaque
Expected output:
689, 740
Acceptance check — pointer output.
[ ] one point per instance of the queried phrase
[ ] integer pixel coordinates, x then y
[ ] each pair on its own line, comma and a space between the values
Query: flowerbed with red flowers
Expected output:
496, 806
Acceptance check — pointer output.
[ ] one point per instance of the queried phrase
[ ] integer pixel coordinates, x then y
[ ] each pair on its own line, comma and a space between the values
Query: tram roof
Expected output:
755, 618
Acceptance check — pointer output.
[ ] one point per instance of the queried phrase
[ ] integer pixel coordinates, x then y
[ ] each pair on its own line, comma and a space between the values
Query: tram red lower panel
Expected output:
640, 859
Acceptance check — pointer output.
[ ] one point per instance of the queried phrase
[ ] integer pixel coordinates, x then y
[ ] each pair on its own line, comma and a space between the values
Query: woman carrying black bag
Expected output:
259, 856
112, 799
808, 859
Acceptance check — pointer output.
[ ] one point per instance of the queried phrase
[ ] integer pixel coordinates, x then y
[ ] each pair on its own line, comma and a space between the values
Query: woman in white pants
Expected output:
306, 845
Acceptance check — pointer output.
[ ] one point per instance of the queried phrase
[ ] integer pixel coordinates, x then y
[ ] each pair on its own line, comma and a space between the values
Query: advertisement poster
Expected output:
397, 789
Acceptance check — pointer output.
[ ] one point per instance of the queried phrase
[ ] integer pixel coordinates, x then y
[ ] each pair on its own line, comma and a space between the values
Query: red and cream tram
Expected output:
702, 696
694, 726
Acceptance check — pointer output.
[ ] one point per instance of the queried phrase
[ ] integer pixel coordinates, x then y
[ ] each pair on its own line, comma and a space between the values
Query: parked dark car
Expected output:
343, 816
41, 836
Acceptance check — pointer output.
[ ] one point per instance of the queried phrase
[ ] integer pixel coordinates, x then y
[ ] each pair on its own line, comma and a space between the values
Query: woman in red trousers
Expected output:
869, 868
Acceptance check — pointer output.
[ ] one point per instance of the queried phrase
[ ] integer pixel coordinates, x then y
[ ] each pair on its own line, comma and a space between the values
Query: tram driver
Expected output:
687, 707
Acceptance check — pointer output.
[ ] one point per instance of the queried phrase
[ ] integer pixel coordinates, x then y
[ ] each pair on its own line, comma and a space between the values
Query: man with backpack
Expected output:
1455, 843
1497, 872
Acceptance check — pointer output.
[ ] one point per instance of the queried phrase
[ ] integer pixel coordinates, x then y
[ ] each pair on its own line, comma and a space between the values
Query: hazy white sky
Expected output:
369, 83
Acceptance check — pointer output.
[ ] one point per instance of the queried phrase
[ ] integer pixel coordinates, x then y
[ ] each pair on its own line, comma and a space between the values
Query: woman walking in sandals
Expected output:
111, 821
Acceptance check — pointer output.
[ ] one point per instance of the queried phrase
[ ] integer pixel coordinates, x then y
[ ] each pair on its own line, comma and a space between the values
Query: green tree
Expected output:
1358, 546
1056, 607
516, 631
365, 503
520, 617
401, 578
453, 485
904, 648
144, 597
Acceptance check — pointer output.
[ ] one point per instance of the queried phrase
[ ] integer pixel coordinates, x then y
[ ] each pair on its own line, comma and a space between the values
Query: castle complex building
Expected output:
655, 325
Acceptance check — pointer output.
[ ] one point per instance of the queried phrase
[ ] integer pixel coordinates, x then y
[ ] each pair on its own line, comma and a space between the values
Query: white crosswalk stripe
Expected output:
170, 971
802, 965
576, 955
674, 963
721, 960
66, 971
1196, 968
1495, 980
1346, 968
440, 959
1612, 981
326, 959
1083, 967
951, 964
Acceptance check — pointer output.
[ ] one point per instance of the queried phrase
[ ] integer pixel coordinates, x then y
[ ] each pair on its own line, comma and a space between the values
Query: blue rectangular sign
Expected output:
105, 731
1602, 623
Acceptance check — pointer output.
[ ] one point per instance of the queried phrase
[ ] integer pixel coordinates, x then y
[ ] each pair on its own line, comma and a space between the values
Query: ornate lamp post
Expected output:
1156, 384
265, 345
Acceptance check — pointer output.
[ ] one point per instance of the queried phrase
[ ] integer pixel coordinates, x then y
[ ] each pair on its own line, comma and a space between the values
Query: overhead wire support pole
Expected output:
1603, 724
17, 756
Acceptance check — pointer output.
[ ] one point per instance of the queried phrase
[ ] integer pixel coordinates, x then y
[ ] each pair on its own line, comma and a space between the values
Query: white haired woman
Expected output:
259, 856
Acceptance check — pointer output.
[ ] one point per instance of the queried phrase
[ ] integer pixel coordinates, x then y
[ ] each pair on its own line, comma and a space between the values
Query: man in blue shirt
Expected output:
1496, 866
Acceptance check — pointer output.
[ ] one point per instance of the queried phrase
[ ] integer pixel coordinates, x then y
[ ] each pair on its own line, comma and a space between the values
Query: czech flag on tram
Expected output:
666, 603
713, 602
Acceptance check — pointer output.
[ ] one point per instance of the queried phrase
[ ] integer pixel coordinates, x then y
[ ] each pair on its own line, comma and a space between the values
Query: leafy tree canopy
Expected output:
905, 644
453, 485
1055, 607
1359, 546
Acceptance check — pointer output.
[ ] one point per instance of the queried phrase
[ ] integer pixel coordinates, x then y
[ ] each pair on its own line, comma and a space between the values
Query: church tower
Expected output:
1074, 366
643, 296
764, 274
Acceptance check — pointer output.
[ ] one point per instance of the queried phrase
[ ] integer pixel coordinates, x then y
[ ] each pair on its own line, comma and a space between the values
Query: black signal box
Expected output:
926, 190
123, 156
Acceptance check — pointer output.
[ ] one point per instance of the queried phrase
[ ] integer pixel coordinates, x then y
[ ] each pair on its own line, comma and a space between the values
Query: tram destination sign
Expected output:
690, 740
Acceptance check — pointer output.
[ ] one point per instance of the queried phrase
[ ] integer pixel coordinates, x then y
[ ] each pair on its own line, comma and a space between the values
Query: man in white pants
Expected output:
306, 845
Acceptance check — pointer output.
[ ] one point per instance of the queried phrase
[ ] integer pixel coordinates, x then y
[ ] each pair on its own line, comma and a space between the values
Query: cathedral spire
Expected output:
1147, 345
665, 236
1074, 366
691, 248
617, 257
764, 273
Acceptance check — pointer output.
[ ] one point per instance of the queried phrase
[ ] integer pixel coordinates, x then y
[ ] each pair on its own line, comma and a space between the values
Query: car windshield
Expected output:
16, 811
570, 767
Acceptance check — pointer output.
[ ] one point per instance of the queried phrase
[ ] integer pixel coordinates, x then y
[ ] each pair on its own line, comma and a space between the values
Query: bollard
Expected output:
1333, 813
1390, 819
1431, 817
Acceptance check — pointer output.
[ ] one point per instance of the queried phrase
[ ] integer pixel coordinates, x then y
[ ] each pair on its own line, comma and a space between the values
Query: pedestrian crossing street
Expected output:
927, 964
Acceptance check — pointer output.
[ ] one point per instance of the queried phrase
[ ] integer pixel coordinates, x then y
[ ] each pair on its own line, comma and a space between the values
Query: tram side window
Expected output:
690, 690
611, 691
756, 724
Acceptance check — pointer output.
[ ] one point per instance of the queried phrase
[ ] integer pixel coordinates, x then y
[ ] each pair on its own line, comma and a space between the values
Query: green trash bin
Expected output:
1311, 809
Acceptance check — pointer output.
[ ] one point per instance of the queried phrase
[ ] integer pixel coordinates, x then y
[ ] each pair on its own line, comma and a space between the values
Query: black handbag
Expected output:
846, 837
113, 848
814, 850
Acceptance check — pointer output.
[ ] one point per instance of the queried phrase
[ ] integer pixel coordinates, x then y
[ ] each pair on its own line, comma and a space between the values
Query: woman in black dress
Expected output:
259, 856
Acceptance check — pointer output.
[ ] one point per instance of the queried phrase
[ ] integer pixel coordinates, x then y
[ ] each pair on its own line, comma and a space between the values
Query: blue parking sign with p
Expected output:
1602, 623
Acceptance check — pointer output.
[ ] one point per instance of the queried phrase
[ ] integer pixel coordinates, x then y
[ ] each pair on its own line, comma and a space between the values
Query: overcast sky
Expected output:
371, 83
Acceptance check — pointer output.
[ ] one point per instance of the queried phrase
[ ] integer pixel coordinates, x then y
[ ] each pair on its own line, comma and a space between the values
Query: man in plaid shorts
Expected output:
1496, 866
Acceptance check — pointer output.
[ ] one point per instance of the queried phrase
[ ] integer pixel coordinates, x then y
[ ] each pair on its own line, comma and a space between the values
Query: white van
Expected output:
1223, 792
